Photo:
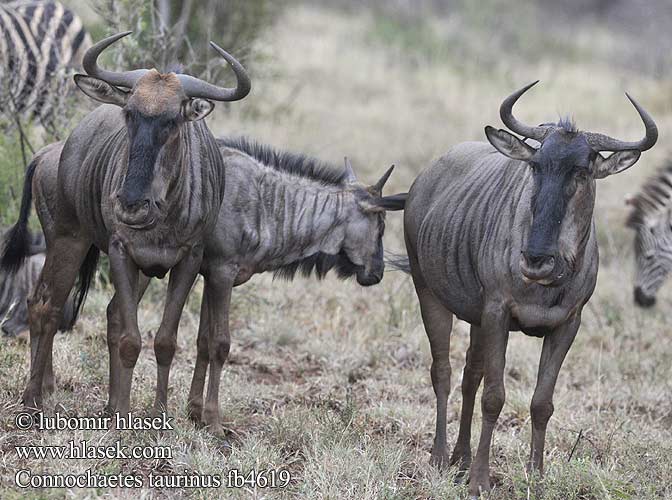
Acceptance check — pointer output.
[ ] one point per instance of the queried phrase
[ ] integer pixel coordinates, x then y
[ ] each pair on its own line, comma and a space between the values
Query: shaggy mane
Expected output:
292, 163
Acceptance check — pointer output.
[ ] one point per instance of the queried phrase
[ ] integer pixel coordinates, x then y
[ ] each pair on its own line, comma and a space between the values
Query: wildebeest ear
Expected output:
197, 109
508, 144
101, 90
615, 163
392, 202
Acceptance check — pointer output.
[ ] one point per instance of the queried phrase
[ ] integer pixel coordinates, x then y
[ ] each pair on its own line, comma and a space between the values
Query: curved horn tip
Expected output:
381, 182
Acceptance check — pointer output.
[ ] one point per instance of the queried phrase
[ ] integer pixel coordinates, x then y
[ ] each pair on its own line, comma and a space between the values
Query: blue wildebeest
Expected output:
16, 287
651, 219
285, 213
502, 236
39, 40
140, 178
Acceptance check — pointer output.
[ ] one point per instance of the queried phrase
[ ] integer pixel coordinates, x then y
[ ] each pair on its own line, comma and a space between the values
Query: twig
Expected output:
578, 438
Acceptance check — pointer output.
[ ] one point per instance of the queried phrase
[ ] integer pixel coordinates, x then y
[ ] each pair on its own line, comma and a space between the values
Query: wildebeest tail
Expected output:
18, 239
76, 300
398, 262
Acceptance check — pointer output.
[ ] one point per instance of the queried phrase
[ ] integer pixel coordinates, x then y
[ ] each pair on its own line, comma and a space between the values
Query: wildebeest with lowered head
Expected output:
140, 178
502, 236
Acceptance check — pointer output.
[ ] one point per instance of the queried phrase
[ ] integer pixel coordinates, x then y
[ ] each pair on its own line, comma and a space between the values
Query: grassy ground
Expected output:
331, 381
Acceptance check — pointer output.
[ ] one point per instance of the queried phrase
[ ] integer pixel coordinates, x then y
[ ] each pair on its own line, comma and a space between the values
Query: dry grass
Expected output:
332, 381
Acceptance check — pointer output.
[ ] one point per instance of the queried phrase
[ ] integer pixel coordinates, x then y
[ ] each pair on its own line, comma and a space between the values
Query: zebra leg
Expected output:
113, 334
182, 278
493, 338
553, 352
471, 380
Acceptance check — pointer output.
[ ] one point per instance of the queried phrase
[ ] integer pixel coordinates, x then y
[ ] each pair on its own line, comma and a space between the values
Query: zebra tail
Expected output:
18, 239
398, 262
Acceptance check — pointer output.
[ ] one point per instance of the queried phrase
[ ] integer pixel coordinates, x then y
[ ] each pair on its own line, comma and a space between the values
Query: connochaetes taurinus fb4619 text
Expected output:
140, 178
502, 236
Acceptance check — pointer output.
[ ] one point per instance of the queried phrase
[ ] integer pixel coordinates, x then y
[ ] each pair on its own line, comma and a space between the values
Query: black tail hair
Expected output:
77, 297
18, 239
398, 262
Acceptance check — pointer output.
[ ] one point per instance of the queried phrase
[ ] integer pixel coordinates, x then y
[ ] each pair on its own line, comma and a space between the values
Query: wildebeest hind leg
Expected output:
195, 404
493, 338
113, 335
182, 278
471, 380
556, 345
438, 324
218, 288
45, 308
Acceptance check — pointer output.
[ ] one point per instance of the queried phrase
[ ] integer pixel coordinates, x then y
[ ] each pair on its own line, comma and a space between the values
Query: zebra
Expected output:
651, 219
38, 41
15, 288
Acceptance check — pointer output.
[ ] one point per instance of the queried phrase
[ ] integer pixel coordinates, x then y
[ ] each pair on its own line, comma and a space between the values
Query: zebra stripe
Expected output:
38, 40
651, 218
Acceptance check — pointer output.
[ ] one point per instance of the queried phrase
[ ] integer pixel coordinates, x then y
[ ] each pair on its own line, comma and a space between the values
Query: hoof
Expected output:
439, 459
461, 460
195, 414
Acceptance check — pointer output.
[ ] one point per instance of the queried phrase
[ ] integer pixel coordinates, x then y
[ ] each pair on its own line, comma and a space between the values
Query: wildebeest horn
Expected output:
505, 112
195, 87
378, 186
192, 86
123, 79
349, 171
601, 142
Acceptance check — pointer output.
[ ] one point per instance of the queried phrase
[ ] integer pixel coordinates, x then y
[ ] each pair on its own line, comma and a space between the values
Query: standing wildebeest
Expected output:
651, 218
141, 179
504, 239
285, 213
16, 287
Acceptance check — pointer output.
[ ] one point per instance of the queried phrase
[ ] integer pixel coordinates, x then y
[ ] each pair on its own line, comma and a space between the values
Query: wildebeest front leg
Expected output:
438, 325
471, 380
113, 334
553, 352
182, 278
45, 308
125, 279
493, 338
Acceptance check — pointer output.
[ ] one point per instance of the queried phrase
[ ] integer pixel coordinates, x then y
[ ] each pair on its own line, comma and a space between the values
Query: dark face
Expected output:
373, 273
561, 170
147, 136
